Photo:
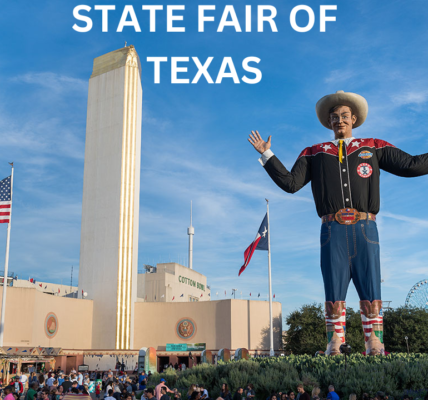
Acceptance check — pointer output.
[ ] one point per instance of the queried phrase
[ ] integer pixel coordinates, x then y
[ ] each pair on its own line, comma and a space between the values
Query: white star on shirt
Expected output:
356, 144
326, 147
264, 232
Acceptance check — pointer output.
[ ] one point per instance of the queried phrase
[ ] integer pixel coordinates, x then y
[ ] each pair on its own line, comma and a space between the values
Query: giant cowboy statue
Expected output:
344, 174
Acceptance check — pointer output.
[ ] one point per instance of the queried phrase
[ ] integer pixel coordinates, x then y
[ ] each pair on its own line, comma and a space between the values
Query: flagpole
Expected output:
271, 351
6, 265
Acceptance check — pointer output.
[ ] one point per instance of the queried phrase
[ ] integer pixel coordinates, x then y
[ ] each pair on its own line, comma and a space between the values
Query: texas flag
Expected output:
259, 243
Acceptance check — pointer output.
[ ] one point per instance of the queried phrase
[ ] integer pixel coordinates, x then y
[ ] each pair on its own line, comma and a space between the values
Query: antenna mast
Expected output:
190, 232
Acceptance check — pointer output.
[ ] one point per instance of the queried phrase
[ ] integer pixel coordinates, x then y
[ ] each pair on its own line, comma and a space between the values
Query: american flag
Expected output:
5, 200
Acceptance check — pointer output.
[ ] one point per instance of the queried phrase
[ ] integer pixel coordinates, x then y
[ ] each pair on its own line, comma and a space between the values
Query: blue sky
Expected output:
194, 138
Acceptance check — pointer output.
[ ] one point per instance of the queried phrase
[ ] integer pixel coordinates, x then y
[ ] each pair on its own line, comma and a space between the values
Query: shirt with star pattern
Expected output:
352, 183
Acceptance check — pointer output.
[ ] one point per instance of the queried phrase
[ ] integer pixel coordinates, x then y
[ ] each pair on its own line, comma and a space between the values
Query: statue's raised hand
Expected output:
258, 143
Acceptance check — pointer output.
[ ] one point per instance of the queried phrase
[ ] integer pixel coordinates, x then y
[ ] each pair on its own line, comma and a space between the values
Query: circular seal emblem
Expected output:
186, 328
51, 325
364, 170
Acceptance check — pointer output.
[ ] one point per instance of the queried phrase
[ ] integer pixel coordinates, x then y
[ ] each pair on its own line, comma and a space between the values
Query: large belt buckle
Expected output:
347, 216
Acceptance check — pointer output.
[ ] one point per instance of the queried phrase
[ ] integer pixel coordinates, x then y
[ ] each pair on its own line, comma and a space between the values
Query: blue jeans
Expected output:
350, 252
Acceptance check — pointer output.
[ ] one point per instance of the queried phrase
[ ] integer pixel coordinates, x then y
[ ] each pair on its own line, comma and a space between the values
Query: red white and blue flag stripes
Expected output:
5, 200
261, 242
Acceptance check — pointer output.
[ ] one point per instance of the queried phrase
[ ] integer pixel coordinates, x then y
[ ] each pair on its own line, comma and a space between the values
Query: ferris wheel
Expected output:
418, 295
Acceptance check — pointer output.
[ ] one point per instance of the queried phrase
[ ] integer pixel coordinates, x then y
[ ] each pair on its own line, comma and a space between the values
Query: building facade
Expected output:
172, 282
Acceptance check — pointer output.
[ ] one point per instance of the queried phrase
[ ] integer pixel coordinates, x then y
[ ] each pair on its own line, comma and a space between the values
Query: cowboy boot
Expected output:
335, 322
372, 319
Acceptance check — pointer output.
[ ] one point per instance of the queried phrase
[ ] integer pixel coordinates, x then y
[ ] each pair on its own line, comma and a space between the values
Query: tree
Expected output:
402, 322
307, 334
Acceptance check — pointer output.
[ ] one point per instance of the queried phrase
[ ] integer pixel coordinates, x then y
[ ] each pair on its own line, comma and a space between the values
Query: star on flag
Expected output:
5, 200
261, 242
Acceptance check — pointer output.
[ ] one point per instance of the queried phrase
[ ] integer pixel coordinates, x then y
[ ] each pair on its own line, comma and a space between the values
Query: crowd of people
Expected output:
56, 385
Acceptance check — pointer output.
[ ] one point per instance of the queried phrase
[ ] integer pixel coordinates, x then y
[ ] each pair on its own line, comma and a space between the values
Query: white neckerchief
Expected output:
347, 141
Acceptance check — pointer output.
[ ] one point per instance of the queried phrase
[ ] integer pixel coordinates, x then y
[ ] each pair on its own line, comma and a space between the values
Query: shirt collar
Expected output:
347, 141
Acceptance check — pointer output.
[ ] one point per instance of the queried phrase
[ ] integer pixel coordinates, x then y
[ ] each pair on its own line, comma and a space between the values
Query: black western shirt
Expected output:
352, 183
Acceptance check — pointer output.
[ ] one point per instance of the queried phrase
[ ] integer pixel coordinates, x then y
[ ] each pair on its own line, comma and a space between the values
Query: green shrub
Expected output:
394, 374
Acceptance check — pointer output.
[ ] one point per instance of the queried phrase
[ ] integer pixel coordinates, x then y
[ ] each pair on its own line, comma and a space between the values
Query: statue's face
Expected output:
341, 120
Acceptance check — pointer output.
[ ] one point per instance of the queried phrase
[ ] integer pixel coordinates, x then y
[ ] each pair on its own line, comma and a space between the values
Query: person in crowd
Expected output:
41, 379
164, 396
380, 396
251, 394
332, 395
191, 390
58, 394
19, 387
204, 392
50, 381
352, 396
74, 385
142, 385
60, 379
195, 395
303, 394
225, 394
23, 379
32, 379
150, 394
142, 380
52, 394
283, 396
109, 386
110, 395
274, 397
177, 394
98, 390
128, 385
66, 385
158, 389
8, 391
316, 393
32, 391
45, 394
291, 395
117, 393
238, 394
109, 380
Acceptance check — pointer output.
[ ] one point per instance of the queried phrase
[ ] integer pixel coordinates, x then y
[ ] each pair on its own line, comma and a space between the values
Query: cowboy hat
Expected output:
358, 104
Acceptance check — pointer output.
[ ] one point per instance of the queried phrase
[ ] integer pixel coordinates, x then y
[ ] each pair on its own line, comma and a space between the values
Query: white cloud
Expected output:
412, 97
54, 82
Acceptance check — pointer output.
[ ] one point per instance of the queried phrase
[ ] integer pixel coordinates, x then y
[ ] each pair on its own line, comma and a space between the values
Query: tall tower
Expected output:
190, 232
111, 197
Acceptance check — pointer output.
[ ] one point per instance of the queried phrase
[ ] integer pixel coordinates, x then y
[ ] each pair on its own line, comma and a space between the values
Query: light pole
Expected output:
407, 343
234, 292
